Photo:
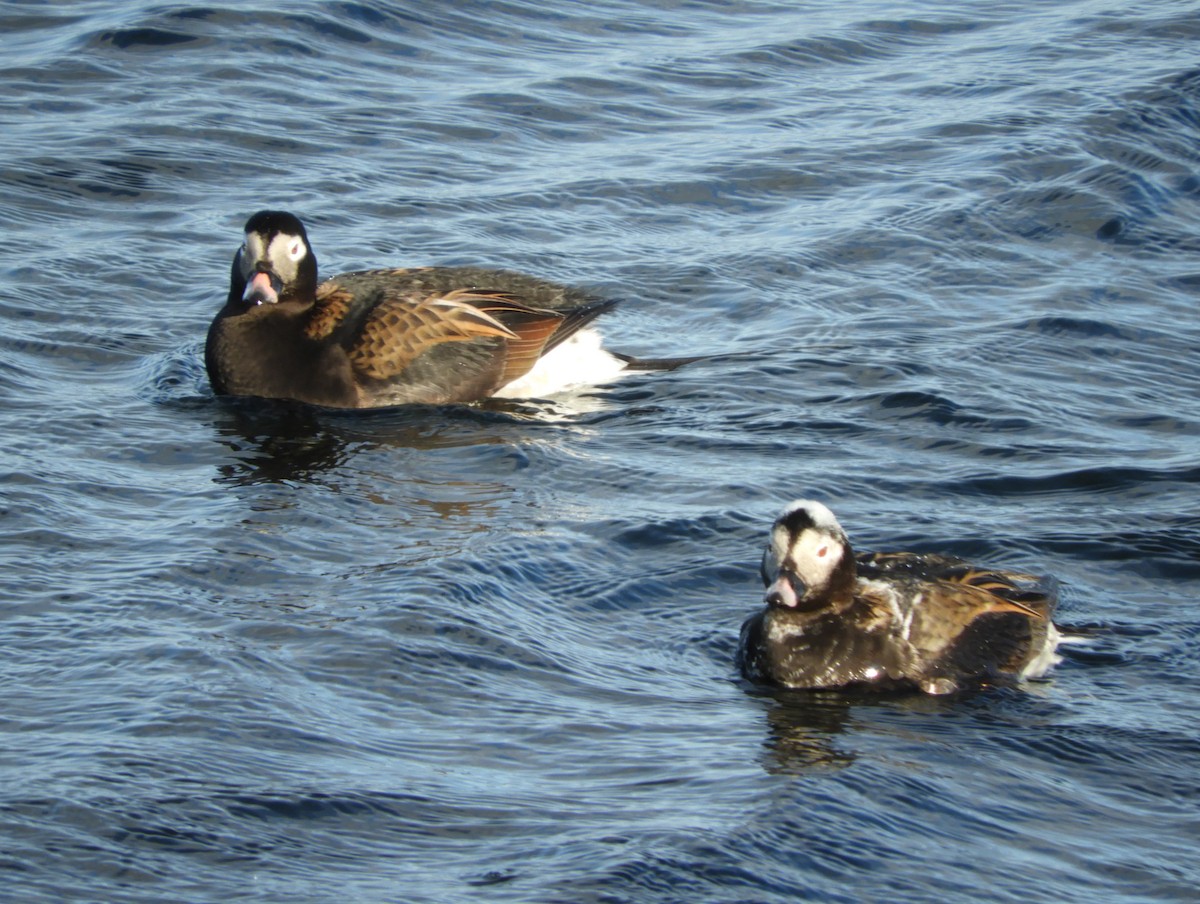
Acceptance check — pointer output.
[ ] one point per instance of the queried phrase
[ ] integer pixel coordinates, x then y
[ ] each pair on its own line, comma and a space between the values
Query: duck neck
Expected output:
843, 582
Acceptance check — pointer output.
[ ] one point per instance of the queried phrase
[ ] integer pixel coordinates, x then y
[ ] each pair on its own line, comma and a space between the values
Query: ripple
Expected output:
1083, 481
127, 38
946, 267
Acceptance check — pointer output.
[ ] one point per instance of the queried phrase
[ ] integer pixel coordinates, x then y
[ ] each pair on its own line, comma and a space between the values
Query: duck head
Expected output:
275, 262
808, 564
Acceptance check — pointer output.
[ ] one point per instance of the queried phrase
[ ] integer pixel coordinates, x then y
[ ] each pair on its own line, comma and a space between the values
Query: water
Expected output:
947, 256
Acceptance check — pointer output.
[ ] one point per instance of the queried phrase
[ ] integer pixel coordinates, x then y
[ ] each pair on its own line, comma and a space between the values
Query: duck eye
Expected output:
296, 250
822, 552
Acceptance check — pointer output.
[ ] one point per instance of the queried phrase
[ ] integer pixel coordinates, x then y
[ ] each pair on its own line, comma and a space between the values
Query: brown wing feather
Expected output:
398, 330
968, 628
1027, 593
989, 596
950, 609
332, 305
530, 328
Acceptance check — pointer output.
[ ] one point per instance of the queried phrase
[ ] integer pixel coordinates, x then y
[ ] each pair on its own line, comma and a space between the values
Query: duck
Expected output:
378, 338
889, 621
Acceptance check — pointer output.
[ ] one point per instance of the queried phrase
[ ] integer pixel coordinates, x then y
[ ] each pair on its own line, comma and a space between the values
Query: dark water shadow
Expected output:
802, 729
275, 441
278, 441
804, 726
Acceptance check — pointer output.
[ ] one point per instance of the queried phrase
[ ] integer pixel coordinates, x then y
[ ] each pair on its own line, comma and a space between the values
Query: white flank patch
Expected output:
580, 361
1046, 657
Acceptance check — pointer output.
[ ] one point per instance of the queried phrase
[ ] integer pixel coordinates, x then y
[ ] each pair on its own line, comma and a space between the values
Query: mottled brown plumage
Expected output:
379, 337
889, 620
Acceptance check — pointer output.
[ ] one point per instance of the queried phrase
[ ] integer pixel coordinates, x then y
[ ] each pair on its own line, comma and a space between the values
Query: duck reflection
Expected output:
802, 730
289, 442
804, 725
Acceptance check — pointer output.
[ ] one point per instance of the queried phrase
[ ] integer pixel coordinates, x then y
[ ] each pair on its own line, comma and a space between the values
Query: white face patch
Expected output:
294, 248
777, 550
281, 256
815, 555
253, 248
284, 252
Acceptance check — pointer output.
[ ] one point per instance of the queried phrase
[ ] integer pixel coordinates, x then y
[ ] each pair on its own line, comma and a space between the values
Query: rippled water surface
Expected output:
946, 257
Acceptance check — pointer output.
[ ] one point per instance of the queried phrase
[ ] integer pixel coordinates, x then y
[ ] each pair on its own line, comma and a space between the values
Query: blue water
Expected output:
947, 256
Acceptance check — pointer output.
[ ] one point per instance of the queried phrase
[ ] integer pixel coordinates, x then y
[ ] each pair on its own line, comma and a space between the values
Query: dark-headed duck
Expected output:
375, 338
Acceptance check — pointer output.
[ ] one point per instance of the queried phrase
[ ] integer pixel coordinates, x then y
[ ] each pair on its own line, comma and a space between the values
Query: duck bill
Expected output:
786, 591
263, 288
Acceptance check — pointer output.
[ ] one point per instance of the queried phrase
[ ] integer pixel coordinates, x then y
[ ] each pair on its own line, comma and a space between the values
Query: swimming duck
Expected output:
889, 620
374, 338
